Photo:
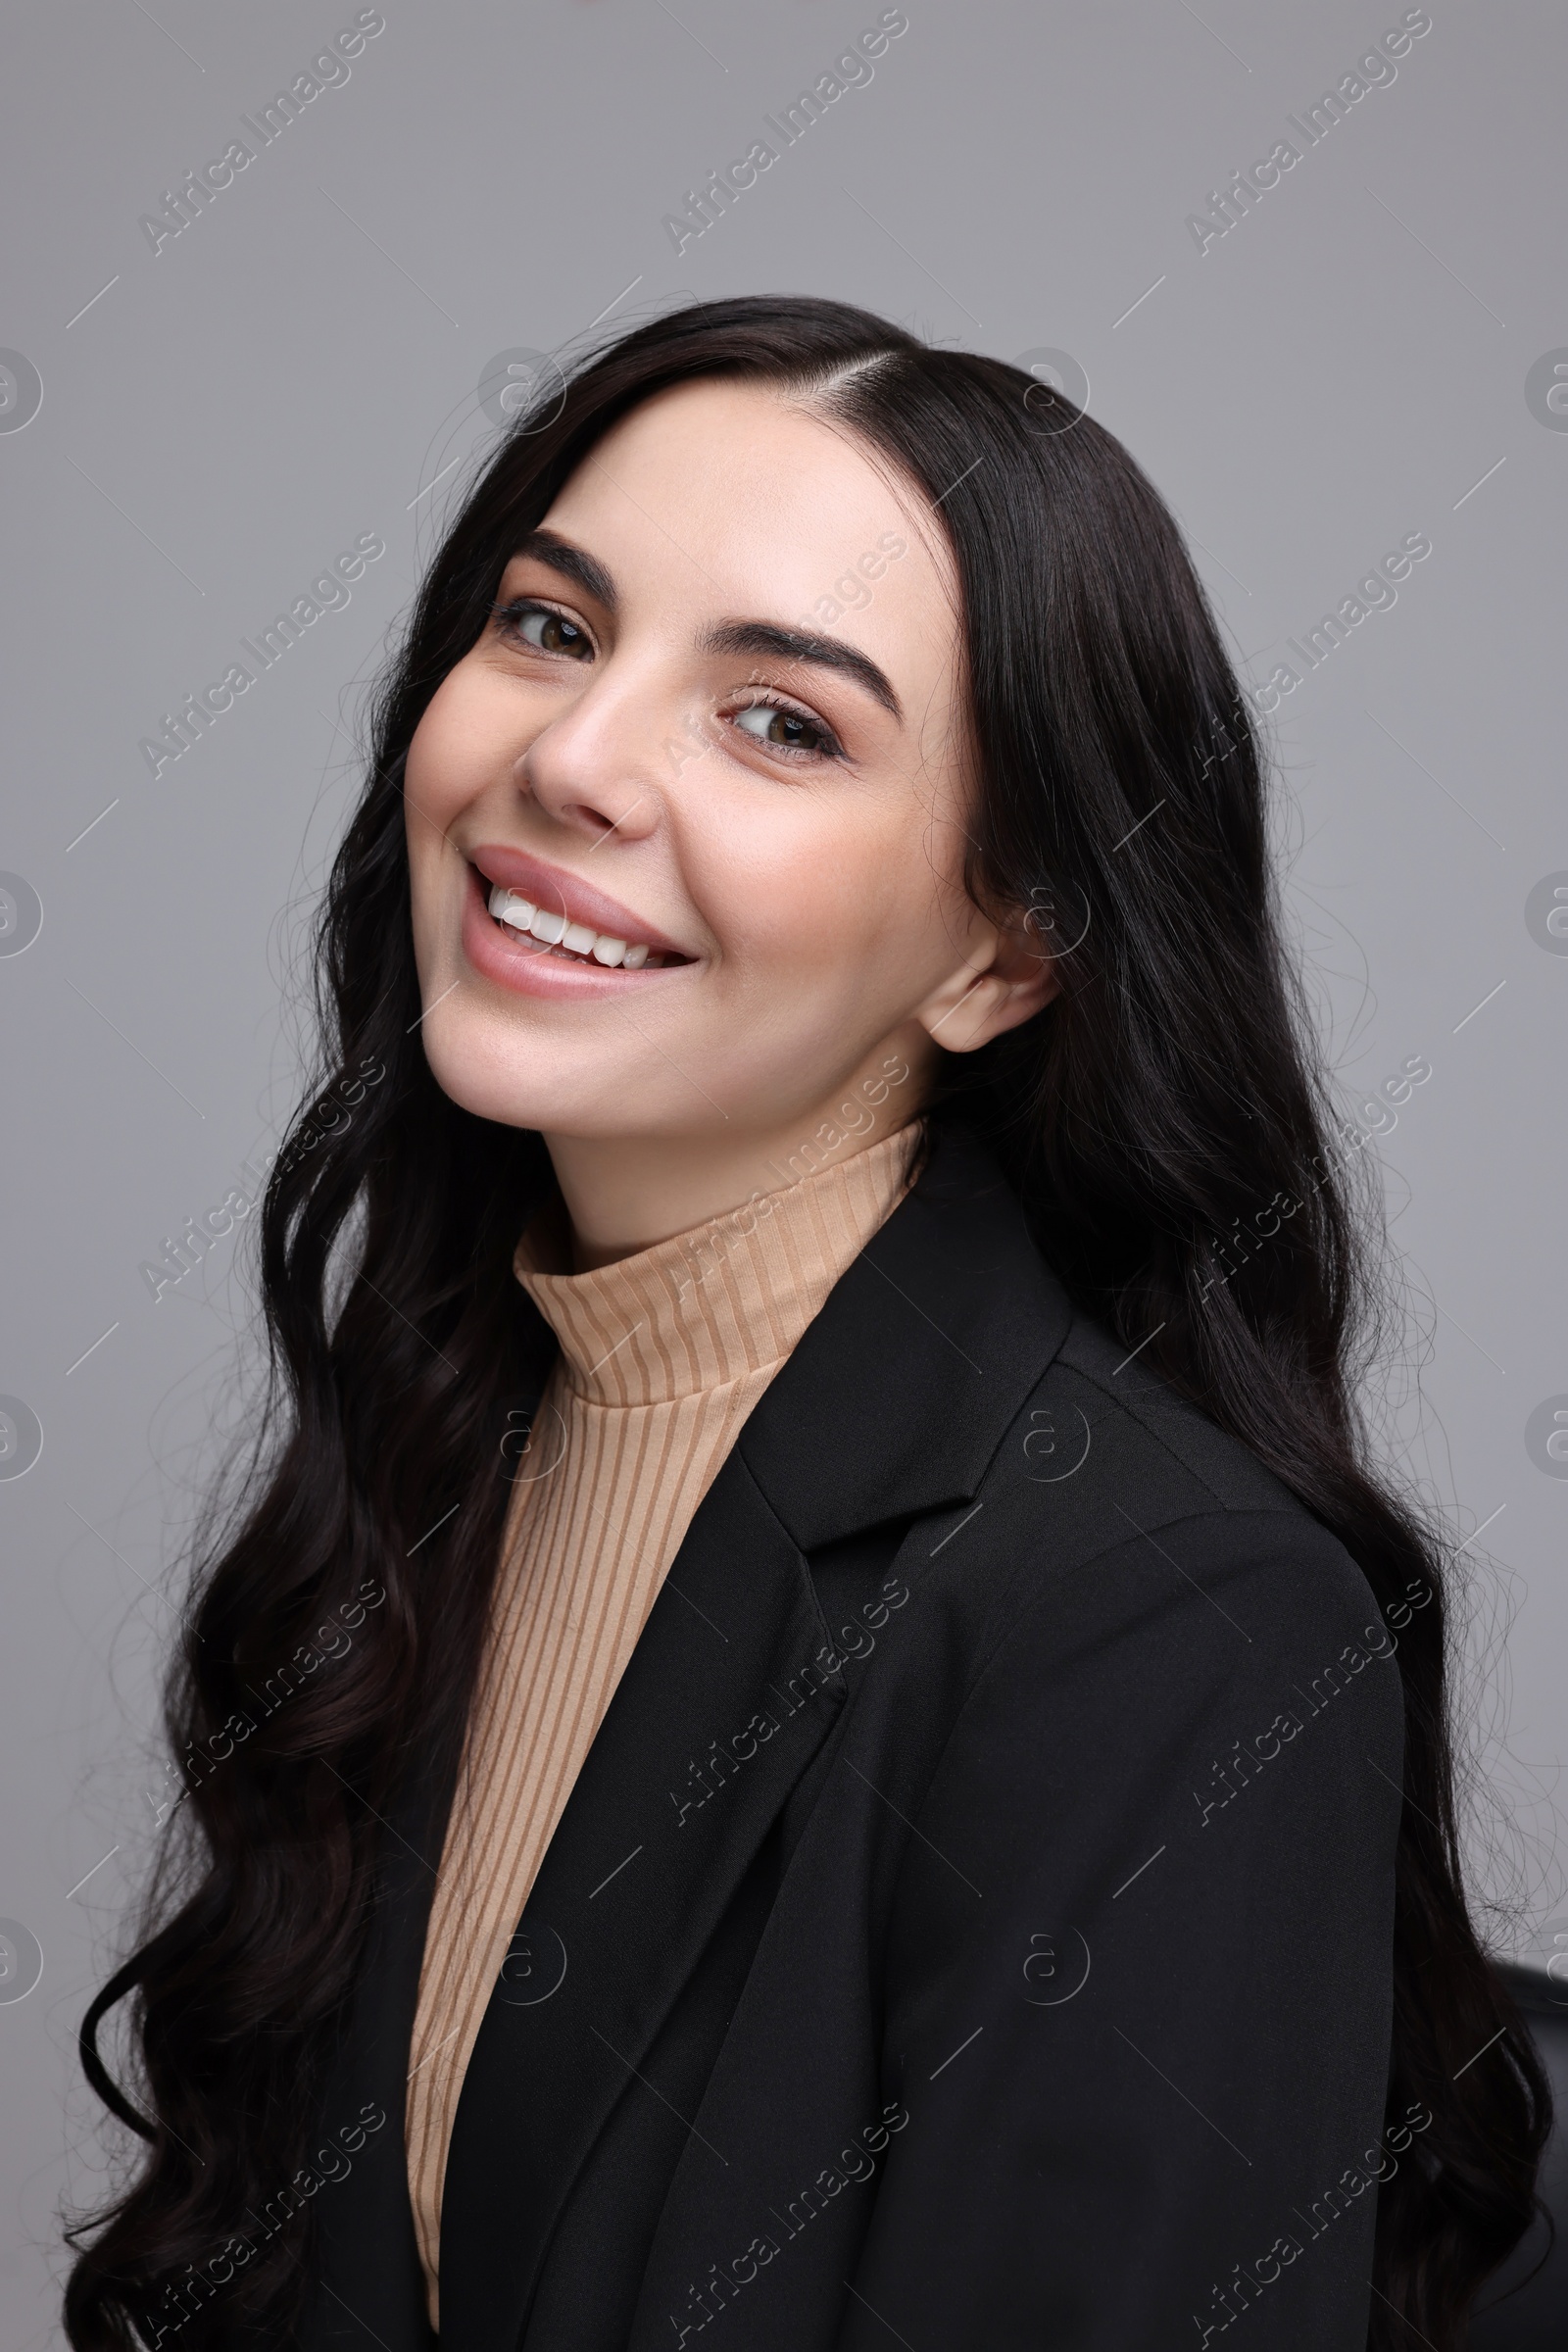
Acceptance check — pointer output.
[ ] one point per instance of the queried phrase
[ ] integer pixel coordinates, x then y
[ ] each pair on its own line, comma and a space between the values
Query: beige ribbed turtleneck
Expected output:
663, 1357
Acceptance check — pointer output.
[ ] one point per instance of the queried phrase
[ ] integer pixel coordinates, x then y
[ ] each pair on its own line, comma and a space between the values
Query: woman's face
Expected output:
716, 728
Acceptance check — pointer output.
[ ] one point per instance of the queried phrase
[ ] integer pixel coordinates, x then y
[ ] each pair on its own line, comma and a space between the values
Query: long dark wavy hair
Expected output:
1163, 1121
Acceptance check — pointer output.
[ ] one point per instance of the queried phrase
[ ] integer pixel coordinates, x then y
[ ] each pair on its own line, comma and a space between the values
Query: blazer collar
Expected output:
900, 1390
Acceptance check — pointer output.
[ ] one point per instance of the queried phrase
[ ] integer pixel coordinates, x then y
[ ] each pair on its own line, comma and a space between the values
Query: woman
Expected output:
860, 1794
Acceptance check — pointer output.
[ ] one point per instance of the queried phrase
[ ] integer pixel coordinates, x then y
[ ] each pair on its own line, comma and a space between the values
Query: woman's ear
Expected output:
1006, 980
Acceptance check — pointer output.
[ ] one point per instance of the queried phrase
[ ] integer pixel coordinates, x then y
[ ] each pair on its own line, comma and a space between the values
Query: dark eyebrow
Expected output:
764, 638
573, 563
777, 644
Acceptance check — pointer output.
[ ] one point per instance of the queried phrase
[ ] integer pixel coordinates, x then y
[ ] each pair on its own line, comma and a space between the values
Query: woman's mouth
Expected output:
573, 943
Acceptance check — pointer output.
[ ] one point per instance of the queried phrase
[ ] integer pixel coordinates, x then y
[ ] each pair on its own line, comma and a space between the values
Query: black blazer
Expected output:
971, 1926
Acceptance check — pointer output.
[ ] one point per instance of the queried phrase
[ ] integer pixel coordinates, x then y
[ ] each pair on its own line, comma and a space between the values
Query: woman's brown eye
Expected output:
788, 730
549, 632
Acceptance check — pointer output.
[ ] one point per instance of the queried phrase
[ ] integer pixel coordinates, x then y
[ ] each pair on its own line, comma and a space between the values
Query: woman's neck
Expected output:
624, 1194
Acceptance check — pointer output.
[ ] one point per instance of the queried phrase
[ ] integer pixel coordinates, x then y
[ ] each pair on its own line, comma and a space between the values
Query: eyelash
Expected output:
519, 608
769, 698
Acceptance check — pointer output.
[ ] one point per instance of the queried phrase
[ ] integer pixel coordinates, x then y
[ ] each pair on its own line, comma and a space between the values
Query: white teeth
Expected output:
555, 931
508, 907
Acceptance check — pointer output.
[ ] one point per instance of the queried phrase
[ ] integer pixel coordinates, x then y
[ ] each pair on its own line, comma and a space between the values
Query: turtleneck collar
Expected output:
732, 1297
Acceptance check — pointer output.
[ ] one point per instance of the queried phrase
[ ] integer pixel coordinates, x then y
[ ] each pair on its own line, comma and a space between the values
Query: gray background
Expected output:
298, 367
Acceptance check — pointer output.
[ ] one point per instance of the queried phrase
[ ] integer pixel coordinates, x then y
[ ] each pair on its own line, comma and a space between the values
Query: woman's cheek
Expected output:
469, 737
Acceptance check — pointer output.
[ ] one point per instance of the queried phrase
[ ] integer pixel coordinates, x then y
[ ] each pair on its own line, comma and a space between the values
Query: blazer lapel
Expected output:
639, 1873
367, 2280
905, 1384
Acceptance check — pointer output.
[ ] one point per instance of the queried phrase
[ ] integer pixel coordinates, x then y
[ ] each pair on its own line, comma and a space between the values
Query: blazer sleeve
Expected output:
1138, 1980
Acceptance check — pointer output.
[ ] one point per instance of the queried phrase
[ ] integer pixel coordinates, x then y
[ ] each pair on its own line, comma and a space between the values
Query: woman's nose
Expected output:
595, 772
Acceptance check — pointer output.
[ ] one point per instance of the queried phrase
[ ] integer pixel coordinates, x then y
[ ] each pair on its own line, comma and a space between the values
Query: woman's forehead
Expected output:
729, 498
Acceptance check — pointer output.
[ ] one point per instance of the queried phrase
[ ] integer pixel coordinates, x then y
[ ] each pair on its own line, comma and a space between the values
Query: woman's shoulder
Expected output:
1117, 1519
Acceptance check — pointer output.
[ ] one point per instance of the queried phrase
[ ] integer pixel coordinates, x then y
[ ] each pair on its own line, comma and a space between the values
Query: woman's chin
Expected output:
515, 1084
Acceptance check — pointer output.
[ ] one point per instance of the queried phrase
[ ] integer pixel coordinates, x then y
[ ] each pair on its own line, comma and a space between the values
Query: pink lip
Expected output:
527, 967
561, 893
